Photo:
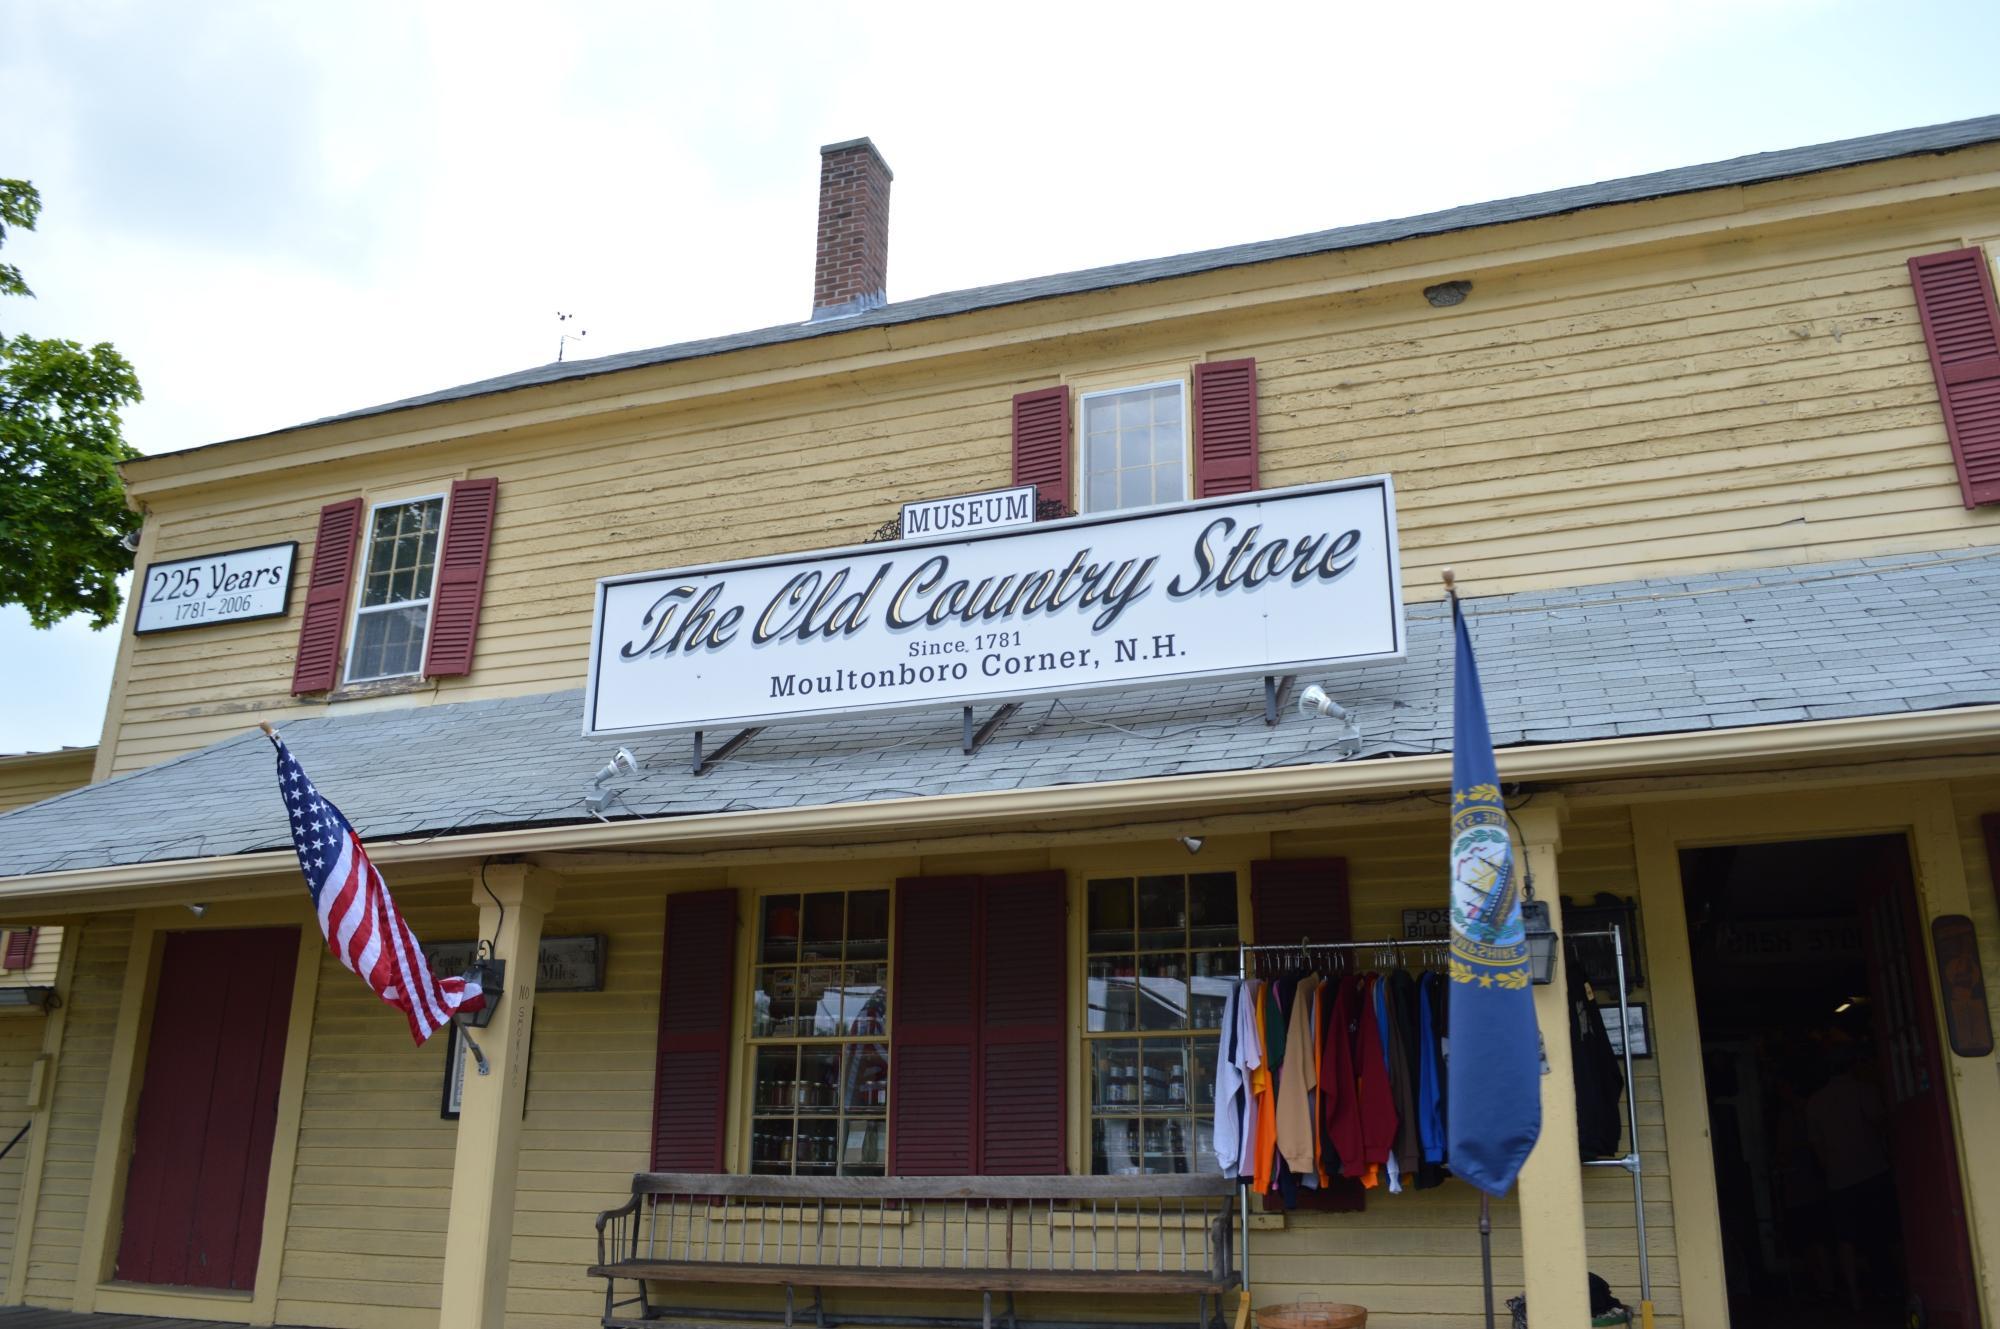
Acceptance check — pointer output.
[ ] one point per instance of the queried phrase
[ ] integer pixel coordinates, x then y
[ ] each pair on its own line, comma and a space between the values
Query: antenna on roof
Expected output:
562, 343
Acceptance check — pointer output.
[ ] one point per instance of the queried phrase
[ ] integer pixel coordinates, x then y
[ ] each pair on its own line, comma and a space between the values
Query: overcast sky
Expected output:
279, 211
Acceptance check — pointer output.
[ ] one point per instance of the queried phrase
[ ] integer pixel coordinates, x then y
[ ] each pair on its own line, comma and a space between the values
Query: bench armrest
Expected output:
611, 1216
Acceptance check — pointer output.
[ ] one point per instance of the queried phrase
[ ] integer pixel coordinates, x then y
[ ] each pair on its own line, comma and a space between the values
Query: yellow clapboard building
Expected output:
879, 882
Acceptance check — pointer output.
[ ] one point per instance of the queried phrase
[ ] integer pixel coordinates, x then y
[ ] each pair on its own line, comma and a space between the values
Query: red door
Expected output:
208, 1107
1936, 1247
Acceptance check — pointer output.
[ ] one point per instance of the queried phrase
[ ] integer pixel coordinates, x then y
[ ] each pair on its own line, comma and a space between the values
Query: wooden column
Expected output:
480, 1234
1555, 1267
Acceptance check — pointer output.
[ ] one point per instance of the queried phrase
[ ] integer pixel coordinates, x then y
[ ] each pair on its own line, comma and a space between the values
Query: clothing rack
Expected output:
1389, 947
1305, 948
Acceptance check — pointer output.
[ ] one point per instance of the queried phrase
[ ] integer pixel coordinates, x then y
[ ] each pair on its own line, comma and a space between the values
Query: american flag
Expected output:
363, 927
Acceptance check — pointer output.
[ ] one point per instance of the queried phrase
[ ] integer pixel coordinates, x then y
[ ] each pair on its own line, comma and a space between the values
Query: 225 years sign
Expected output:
1275, 582
228, 587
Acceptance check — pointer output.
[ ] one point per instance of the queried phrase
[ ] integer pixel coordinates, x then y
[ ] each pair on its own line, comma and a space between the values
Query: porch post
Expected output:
1555, 1268
480, 1234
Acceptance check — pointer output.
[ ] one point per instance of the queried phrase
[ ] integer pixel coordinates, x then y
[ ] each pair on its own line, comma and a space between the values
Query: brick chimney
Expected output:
852, 274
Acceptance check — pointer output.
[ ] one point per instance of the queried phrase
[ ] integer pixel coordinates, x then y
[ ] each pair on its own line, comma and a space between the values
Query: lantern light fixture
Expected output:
1542, 941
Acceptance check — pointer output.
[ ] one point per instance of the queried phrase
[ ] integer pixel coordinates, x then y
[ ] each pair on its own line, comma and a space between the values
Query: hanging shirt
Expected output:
1430, 1070
1297, 1085
1264, 1093
1339, 1098
1378, 1105
1249, 1061
1229, 1088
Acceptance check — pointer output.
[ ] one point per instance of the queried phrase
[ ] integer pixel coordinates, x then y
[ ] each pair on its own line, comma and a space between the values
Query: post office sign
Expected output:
231, 587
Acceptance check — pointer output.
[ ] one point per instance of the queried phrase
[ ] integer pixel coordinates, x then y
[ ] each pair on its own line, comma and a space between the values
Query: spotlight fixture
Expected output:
623, 765
197, 909
130, 541
1192, 843
1315, 704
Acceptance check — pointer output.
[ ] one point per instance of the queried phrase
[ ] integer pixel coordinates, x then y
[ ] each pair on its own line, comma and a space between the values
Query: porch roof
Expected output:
1798, 643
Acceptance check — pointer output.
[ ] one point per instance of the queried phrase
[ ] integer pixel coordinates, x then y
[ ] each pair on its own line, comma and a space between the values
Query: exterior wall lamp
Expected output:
490, 974
1541, 941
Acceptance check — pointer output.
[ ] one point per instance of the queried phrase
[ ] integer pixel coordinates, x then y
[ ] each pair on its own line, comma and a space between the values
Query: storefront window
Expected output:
819, 1022
1161, 956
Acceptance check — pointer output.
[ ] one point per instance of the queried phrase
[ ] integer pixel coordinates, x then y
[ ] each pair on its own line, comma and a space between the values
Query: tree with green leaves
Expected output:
63, 518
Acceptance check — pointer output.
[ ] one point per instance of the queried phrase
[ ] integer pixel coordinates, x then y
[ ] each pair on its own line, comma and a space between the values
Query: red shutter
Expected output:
691, 1072
1225, 427
1962, 329
1041, 443
325, 618
20, 948
461, 577
934, 1029
1294, 899
1024, 1026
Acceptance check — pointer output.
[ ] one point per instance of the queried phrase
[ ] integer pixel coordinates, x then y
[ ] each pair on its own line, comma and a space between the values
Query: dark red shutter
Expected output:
1305, 899
1225, 427
934, 1029
1041, 443
1299, 899
691, 1071
325, 618
461, 576
20, 948
1962, 329
1024, 1026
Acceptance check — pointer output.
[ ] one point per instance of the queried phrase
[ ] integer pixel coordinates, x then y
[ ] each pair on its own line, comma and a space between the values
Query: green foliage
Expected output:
62, 506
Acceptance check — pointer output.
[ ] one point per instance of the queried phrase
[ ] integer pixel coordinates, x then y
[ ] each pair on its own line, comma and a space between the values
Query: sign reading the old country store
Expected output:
1273, 582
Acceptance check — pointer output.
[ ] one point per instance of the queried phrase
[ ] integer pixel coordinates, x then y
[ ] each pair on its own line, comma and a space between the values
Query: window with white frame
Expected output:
393, 612
1134, 443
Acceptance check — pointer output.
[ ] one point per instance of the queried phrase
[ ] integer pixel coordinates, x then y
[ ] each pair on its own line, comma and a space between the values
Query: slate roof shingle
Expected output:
1865, 637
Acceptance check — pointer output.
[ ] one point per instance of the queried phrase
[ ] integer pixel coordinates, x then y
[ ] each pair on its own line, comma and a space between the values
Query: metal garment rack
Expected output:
1630, 1162
1389, 947
1305, 948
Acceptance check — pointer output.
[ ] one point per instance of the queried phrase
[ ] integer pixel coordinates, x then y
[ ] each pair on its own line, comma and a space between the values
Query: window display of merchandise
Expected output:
1161, 962
820, 1018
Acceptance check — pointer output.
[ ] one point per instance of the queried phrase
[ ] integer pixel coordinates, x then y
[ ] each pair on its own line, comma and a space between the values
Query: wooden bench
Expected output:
1132, 1236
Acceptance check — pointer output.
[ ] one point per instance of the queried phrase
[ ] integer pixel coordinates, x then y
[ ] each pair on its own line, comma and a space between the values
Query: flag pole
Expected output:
1485, 1200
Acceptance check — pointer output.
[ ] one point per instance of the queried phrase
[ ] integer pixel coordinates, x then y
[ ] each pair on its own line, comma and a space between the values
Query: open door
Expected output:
1930, 1197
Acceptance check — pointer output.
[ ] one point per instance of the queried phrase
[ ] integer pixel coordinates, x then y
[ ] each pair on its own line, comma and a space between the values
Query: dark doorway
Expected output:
208, 1108
1836, 1170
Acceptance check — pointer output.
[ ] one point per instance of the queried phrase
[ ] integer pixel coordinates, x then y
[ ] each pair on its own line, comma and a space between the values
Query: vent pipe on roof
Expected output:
852, 274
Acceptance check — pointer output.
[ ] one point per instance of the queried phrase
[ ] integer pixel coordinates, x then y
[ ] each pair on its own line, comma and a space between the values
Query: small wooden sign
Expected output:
568, 964
1962, 981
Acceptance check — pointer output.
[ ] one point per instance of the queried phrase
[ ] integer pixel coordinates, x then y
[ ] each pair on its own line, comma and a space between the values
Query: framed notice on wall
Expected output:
234, 586
1642, 1042
457, 1058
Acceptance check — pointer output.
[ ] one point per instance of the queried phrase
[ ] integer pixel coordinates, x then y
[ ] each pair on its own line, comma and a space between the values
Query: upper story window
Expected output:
398, 575
1134, 443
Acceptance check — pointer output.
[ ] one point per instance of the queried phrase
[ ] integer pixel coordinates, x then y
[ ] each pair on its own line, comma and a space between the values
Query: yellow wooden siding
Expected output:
364, 1247
1733, 404
20, 1044
76, 1107
40, 775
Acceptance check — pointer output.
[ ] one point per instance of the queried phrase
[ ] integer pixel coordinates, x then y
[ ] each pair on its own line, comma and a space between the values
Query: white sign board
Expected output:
229, 587
1275, 582
995, 509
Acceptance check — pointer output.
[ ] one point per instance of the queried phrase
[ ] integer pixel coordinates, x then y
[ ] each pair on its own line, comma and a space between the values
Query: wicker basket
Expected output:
1313, 1315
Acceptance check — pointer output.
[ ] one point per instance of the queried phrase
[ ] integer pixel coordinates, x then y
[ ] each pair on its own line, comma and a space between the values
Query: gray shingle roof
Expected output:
1862, 638
1737, 171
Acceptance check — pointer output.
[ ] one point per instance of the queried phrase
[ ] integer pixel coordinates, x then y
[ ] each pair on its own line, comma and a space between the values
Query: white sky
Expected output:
280, 211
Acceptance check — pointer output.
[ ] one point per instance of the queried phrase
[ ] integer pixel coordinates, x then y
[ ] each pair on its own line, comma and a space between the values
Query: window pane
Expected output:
1167, 408
1162, 912
777, 1079
781, 927
1103, 495
1214, 974
1135, 488
1101, 453
1112, 996
388, 643
865, 1079
1163, 991
1212, 909
1167, 483
818, 1145
868, 925
819, 1080
1114, 1147
819, 1000
1135, 410
776, 1000
1169, 1145
1165, 1074
1100, 415
1114, 1075
825, 922
864, 999
1111, 914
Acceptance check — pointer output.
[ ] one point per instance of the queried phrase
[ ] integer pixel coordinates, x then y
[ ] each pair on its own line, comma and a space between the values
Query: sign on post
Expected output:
1274, 582
230, 587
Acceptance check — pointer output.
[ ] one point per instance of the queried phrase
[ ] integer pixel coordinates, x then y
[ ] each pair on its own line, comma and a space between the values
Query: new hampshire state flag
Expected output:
1493, 1096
